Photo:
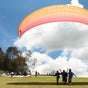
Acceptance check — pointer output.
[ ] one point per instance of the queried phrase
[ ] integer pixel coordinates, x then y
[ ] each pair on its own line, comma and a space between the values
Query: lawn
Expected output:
40, 82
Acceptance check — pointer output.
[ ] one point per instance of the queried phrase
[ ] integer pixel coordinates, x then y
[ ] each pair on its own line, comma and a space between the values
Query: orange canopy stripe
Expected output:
57, 13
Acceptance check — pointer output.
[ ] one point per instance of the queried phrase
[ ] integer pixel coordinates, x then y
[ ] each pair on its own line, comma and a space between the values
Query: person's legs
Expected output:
57, 79
70, 80
65, 80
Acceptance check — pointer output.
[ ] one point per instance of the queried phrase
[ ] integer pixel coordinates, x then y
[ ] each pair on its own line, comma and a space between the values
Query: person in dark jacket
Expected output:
64, 77
57, 74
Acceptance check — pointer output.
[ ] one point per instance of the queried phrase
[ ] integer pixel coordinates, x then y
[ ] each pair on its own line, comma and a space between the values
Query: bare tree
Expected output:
31, 62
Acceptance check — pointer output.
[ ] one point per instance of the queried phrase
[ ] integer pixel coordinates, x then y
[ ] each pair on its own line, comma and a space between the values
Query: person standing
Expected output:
64, 77
57, 74
70, 76
12, 73
36, 73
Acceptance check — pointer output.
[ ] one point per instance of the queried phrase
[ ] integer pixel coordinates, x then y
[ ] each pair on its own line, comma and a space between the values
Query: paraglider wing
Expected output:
57, 13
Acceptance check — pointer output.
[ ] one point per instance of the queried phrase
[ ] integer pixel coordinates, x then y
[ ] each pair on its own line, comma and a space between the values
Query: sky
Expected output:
54, 52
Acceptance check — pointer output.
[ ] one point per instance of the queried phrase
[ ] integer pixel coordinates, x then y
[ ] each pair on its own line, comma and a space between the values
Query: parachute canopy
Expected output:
57, 13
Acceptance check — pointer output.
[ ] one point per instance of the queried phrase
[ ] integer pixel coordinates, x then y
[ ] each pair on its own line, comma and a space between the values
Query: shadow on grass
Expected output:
45, 83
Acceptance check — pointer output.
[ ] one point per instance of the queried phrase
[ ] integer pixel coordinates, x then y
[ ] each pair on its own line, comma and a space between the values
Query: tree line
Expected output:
12, 60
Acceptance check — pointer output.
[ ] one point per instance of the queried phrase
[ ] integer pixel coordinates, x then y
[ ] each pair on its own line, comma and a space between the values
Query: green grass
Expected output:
40, 82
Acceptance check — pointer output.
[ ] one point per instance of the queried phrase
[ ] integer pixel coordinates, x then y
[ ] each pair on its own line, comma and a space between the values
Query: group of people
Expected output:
66, 76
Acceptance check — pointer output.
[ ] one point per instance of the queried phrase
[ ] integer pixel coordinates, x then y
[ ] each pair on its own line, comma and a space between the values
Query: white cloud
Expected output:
70, 37
76, 3
61, 62
57, 35
81, 53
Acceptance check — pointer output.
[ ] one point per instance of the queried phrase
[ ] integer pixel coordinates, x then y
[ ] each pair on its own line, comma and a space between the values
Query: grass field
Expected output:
40, 82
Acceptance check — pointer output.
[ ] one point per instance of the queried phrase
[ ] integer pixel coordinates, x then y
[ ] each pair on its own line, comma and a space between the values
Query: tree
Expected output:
2, 55
31, 62
19, 63
14, 61
12, 52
